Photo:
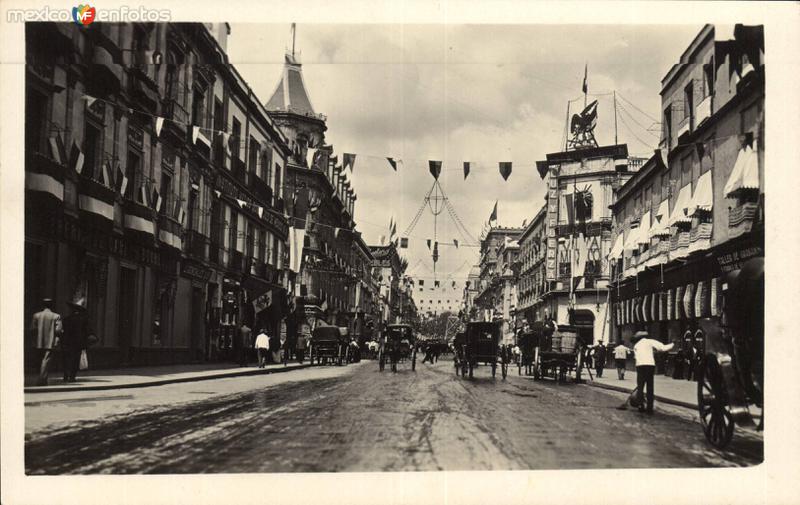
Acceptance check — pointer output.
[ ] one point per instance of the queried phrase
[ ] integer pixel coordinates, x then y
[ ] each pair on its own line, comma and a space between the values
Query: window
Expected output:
648, 197
749, 118
193, 213
91, 151
668, 125
262, 246
199, 107
235, 134
686, 170
132, 168
253, 155
219, 125
166, 193
688, 103
35, 121
708, 78
277, 189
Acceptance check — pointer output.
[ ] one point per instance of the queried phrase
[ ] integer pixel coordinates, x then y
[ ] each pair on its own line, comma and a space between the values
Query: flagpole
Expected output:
615, 118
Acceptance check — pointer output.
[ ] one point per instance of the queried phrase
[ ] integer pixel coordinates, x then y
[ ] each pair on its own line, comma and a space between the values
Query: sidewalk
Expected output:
668, 390
137, 377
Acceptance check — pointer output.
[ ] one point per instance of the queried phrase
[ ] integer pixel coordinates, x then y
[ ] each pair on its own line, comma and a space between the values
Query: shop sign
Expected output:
194, 271
733, 260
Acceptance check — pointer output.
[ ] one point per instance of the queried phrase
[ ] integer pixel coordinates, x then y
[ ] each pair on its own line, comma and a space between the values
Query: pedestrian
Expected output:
245, 343
275, 347
643, 349
300, 348
46, 329
262, 347
620, 358
600, 358
75, 338
284, 351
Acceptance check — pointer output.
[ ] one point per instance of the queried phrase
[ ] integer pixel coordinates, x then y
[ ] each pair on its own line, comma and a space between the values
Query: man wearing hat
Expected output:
46, 329
643, 349
76, 337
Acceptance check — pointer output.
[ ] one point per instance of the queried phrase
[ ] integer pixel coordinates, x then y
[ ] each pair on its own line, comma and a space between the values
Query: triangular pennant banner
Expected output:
541, 167
505, 169
493, 216
106, 174
466, 169
195, 133
89, 100
260, 211
76, 157
217, 193
123, 181
393, 163
429, 244
241, 203
435, 168
404, 243
349, 160
455, 241
159, 125
336, 232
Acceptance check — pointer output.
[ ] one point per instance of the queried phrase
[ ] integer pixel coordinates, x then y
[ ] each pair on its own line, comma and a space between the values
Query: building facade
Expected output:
531, 267
695, 211
490, 298
580, 188
152, 189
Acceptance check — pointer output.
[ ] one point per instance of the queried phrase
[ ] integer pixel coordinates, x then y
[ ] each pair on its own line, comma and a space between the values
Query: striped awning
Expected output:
745, 171
703, 197
643, 235
681, 204
660, 228
616, 250
632, 241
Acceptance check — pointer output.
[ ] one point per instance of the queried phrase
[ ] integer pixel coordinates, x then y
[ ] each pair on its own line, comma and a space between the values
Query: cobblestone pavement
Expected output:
356, 418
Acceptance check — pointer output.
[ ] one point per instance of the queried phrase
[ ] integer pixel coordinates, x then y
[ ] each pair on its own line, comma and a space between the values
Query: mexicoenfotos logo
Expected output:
83, 15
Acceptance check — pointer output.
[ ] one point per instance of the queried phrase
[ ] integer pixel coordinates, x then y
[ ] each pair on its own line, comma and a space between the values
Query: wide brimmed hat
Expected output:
640, 335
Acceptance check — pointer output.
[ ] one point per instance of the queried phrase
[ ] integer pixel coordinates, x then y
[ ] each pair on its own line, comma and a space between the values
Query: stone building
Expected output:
531, 266
696, 209
490, 297
153, 189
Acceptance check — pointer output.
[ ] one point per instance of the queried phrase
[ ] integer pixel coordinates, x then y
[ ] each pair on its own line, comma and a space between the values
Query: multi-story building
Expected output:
489, 299
320, 202
531, 266
471, 290
153, 190
695, 210
388, 268
507, 268
580, 189
365, 295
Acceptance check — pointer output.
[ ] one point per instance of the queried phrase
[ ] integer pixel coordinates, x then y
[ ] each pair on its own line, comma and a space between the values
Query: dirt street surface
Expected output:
355, 418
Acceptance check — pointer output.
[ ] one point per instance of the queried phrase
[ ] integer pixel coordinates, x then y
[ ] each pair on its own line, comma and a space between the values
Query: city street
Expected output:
356, 418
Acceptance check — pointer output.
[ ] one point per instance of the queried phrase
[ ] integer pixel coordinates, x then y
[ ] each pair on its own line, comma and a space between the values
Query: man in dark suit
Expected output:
76, 338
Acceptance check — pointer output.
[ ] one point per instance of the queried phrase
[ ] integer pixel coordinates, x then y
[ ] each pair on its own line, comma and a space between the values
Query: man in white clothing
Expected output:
620, 358
646, 366
262, 347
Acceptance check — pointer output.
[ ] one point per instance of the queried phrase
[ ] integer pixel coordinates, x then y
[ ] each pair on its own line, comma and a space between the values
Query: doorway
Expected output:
127, 311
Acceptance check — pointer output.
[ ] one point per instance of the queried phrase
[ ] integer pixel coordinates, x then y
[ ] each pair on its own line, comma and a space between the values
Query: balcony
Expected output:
262, 191
236, 261
195, 245
700, 237
239, 170
741, 218
142, 88
684, 128
170, 232
104, 76
703, 110
95, 198
177, 115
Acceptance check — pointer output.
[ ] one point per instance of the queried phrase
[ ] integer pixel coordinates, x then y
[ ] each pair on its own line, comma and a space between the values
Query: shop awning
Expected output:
616, 250
632, 242
643, 235
745, 171
703, 197
660, 227
681, 204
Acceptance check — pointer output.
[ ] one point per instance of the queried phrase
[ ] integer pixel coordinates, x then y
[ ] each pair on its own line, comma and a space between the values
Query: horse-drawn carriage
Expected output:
328, 345
482, 345
459, 342
731, 374
527, 342
558, 352
400, 346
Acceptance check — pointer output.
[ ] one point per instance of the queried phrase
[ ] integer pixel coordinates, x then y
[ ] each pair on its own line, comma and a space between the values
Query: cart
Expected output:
558, 352
730, 378
482, 345
400, 346
328, 346
527, 343
459, 343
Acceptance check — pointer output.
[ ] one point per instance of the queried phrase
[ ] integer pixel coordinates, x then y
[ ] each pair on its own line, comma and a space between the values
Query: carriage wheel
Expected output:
712, 401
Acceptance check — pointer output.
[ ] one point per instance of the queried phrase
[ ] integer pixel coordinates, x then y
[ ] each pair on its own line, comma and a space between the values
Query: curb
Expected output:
661, 399
161, 382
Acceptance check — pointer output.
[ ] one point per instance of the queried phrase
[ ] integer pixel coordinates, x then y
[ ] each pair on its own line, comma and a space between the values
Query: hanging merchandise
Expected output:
505, 169
680, 312
671, 305
688, 301
716, 291
701, 300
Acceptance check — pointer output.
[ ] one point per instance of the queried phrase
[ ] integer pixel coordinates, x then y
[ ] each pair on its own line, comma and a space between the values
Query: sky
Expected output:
455, 93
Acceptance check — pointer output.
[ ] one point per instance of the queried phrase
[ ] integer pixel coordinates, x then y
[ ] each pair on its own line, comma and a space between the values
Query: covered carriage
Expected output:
328, 345
400, 346
482, 346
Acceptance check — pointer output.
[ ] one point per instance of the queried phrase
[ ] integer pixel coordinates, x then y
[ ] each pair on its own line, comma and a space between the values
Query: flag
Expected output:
585, 87
241, 203
435, 168
568, 202
429, 244
404, 243
76, 157
143, 195
217, 193
421, 282
493, 215
455, 241
336, 232
311, 157
56, 149
260, 211
393, 163
89, 100
396, 241
157, 199
505, 169
159, 125
394, 229
541, 167
226, 142
436, 284
195, 133
349, 160
466, 169
106, 176
123, 184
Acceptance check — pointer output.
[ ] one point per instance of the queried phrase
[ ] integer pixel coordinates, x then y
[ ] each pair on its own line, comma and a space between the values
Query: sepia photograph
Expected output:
375, 248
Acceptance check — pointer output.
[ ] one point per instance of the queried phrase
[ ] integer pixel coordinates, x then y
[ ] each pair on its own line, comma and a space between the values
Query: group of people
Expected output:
69, 336
268, 348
